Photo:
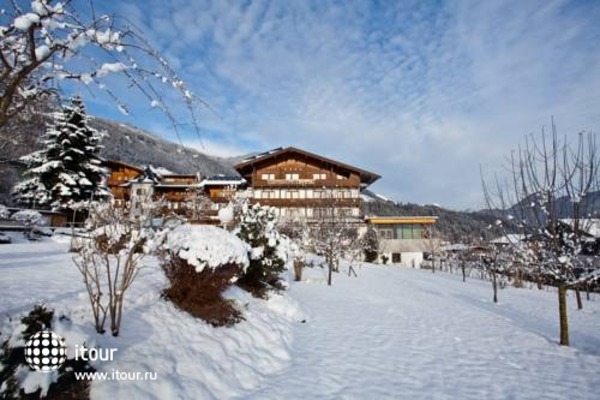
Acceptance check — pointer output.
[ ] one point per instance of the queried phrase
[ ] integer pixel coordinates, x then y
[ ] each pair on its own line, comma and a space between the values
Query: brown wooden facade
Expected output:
300, 183
120, 173
131, 185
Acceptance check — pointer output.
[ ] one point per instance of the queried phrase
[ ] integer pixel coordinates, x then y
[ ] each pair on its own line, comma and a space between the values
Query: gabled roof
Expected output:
109, 163
366, 177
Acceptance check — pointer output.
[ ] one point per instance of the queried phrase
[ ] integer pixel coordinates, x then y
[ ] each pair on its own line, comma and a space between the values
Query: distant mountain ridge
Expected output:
453, 226
135, 146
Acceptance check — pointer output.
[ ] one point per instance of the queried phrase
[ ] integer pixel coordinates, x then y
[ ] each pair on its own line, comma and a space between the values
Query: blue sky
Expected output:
421, 92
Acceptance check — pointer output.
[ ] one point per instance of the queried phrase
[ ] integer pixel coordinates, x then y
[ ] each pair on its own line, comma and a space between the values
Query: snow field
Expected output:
390, 333
402, 333
190, 357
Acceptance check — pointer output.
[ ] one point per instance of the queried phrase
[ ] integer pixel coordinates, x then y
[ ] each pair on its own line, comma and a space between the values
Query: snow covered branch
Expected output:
52, 42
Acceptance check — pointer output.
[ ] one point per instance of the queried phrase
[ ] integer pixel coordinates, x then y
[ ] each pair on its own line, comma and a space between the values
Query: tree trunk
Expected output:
562, 310
464, 271
298, 264
329, 275
578, 297
495, 286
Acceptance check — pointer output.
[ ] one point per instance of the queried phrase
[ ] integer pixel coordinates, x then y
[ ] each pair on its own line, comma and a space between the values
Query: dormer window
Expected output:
267, 177
292, 177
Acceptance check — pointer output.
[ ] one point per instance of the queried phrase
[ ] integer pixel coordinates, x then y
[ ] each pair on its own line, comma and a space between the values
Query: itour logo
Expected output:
45, 351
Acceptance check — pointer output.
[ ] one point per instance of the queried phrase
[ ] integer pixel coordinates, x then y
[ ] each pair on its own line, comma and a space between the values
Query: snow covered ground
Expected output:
390, 333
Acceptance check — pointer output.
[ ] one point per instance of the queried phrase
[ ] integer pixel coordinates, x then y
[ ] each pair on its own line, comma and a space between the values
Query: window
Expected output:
293, 194
340, 177
322, 212
344, 212
319, 176
386, 234
409, 232
140, 192
396, 258
292, 177
268, 194
319, 194
293, 212
267, 177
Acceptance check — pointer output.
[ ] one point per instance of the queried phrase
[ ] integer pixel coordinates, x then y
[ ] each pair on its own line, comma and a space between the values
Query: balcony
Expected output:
311, 203
261, 183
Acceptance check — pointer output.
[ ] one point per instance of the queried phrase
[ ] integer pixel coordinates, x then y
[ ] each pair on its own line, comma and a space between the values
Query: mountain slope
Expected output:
124, 142
454, 226
135, 146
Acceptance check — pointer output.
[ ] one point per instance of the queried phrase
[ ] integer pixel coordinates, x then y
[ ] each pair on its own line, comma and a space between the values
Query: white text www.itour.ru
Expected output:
115, 375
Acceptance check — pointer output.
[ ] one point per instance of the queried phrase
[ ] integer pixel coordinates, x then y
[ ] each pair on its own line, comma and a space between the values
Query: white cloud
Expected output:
420, 93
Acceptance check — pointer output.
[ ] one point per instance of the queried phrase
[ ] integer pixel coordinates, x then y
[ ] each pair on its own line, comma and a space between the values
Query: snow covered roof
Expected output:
220, 180
590, 226
509, 238
455, 247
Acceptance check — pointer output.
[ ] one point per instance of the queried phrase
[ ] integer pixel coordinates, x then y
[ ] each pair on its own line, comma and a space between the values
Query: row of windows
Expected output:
405, 231
296, 177
306, 194
318, 212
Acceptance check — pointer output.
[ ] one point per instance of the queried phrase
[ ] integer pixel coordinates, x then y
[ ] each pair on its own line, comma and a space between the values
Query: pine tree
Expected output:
257, 228
68, 171
370, 244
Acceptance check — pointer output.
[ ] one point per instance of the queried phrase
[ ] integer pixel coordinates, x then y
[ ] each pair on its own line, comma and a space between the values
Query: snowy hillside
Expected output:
133, 145
126, 143
390, 333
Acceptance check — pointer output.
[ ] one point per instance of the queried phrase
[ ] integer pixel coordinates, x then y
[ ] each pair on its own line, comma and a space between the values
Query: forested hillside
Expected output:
454, 226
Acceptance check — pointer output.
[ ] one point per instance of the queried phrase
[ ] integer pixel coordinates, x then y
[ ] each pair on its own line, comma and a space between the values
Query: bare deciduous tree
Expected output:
109, 257
334, 235
548, 198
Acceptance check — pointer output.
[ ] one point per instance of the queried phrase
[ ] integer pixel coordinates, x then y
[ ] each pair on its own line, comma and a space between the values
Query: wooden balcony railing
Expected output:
312, 203
317, 183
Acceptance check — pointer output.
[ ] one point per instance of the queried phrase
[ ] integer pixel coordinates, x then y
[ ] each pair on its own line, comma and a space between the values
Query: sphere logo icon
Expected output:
45, 351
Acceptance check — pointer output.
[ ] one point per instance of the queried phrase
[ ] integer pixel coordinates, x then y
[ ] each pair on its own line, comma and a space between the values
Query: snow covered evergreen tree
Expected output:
68, 171
267, 259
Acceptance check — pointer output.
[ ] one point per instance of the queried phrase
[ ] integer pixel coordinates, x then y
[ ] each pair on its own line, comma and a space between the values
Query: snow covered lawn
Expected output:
390, 333
404, 333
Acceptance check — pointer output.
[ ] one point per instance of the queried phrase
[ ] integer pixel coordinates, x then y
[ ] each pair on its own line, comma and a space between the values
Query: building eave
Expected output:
366, 177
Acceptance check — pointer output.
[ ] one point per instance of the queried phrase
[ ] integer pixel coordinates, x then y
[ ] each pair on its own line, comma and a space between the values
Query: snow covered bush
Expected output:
30, 219
19, 381
268, 254
4, 214
110, 259
200, 262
